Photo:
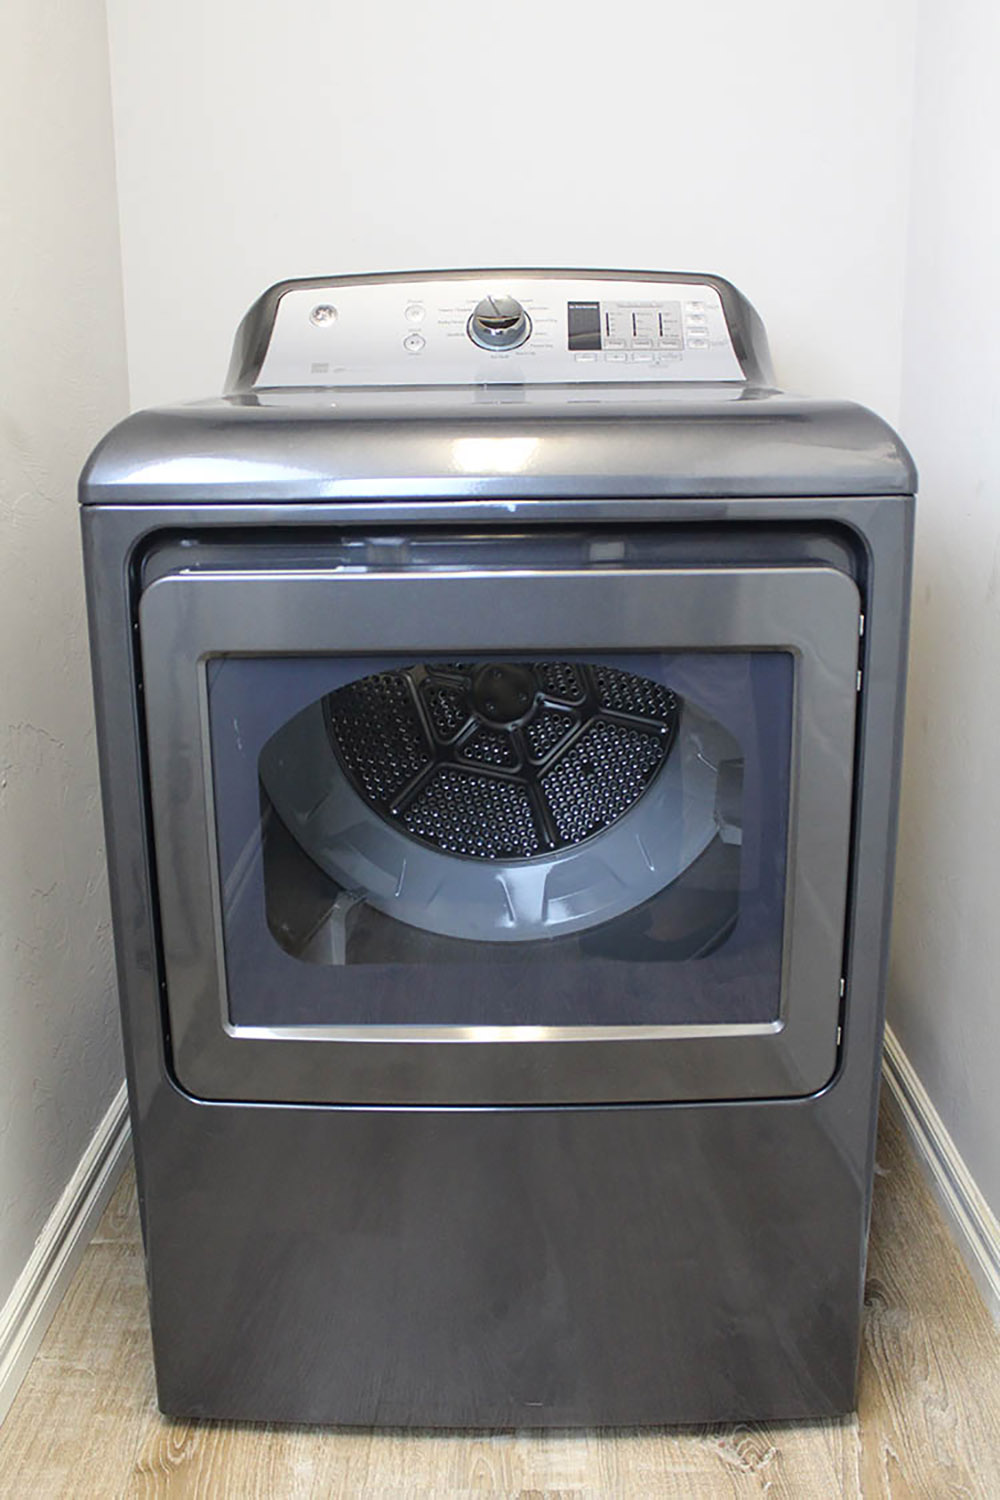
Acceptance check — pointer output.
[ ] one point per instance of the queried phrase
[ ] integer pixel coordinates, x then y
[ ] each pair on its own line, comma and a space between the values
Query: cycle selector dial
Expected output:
499, 323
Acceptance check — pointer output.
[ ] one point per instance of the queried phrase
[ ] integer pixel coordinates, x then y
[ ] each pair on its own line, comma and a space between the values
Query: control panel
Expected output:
518, 328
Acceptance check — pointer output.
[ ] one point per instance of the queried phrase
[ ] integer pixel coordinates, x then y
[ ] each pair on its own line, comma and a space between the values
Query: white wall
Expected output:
768, 142
62, 380
945, 991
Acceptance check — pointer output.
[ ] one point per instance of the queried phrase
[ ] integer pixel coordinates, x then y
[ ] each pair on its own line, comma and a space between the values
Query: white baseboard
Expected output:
40, 1287
972, 1221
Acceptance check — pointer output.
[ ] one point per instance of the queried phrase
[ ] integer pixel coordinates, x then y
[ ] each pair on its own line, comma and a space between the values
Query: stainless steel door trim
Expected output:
187, 618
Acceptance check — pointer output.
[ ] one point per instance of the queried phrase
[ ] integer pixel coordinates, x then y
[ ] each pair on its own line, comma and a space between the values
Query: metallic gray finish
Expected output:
504, 1267
496, 1264
478, 443
186, 619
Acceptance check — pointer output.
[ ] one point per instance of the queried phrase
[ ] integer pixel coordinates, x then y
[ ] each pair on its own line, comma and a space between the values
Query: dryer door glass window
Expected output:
502, 840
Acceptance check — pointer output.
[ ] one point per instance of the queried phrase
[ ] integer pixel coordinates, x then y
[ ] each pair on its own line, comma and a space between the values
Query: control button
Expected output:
614, 344
324, 314
586, 359
414, 342
697, 343
616, 358
642, 359
499, 323
414, 313
694, 307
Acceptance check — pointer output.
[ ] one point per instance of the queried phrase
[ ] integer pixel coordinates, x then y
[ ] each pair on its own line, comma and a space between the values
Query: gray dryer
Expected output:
499, 695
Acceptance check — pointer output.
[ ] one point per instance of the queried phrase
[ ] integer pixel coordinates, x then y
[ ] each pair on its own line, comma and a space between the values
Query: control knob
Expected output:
499, 323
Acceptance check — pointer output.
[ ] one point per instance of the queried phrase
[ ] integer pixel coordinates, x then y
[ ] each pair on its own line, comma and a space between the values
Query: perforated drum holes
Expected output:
502, 760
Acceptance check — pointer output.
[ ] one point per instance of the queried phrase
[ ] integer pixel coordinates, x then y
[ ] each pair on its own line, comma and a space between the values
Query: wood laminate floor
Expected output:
85, 1422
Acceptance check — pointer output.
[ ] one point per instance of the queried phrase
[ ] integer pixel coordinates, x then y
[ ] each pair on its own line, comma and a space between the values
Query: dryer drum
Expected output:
502, 760
500, 800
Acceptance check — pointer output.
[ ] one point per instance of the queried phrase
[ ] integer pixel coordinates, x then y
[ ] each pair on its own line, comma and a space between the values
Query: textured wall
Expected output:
767, 142
62, 380
945, 991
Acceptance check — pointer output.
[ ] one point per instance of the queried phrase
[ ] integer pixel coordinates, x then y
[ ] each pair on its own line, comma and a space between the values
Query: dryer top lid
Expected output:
297, 448
516, 385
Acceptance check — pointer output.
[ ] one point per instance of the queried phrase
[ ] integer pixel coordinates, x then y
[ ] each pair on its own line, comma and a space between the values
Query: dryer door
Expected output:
574, 836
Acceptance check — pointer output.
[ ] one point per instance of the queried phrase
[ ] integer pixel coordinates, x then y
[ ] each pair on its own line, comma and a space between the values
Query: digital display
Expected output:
584, 324
630, 326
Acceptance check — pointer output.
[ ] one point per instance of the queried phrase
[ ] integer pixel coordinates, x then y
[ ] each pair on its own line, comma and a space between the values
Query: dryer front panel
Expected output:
571, 836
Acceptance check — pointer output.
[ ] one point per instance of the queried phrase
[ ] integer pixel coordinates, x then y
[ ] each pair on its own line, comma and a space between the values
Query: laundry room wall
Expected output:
945, 991
767, 142
62, 380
